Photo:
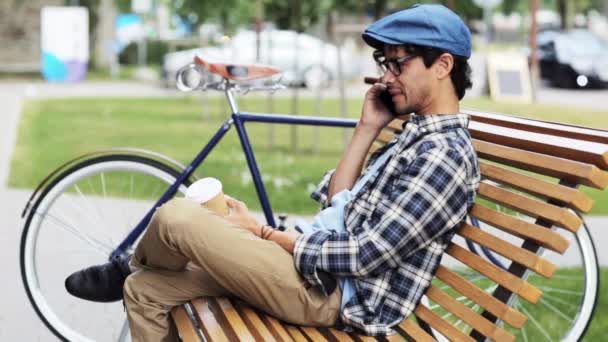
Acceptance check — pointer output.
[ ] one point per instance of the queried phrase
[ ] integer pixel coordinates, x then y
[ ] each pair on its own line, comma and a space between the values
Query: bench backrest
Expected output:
531, 168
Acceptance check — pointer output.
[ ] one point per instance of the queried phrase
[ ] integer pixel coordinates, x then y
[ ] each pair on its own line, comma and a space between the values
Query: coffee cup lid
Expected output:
204, 189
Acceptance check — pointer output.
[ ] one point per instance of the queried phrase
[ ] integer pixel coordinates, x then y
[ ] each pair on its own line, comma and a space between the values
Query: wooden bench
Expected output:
531, 167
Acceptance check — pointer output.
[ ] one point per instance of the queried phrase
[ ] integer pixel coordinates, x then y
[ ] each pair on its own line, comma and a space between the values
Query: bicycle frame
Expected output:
238, 119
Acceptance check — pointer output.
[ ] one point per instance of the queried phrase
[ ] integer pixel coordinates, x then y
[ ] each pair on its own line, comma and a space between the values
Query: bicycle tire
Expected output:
51, 199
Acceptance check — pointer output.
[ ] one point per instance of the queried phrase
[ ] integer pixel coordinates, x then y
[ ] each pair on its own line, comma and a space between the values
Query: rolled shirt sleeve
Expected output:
426, 200
320, 194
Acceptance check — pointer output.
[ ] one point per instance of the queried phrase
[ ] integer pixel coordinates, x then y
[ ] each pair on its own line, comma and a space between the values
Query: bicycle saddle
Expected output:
238, 72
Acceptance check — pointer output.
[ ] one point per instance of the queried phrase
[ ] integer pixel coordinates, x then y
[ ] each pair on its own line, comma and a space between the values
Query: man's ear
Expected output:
443, 65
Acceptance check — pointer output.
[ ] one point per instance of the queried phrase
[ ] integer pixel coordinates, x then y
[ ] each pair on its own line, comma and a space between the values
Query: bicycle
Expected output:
103, 201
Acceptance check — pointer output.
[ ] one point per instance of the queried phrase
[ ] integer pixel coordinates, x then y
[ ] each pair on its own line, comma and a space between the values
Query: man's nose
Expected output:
387, 77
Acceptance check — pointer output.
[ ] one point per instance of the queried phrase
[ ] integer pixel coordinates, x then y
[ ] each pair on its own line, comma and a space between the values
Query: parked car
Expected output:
574, 59
304, 59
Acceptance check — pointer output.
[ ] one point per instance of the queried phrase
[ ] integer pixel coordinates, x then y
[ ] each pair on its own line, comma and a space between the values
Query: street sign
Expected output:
64, 42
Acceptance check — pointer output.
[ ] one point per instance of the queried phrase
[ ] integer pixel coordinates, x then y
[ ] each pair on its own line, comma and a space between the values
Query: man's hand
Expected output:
375, 115
241, 216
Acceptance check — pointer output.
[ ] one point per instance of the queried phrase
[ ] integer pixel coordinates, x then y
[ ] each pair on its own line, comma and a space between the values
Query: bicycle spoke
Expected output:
536, 324
131, 186
523, 332
550, 289
549, 297
89, 204
100, 246
555, 310
566, 277
80, 209
103, 185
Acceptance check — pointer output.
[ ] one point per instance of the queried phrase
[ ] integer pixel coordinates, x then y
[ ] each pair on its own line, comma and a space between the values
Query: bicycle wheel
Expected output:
566, 307
76, 222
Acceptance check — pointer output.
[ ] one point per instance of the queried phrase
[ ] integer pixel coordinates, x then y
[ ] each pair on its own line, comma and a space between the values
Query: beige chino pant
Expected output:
188, 252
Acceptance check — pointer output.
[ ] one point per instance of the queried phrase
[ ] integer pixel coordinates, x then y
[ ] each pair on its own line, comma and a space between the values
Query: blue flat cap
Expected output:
427, 25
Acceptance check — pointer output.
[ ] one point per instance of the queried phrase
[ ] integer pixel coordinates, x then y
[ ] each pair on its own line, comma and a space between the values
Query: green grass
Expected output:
54, 131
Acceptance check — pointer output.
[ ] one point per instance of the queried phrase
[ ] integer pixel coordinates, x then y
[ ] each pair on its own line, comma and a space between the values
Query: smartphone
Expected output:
384, 96
387, 99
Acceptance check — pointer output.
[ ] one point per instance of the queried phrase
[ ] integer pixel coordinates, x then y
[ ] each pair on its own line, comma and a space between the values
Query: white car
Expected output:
304, 59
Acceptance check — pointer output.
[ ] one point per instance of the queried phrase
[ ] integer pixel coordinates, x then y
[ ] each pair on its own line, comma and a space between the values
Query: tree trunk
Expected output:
533, 47
379, 9
104, 33
563, 13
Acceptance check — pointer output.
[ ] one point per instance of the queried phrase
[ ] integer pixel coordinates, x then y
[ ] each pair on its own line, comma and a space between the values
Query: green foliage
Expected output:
298, 15
124, 6
155, 50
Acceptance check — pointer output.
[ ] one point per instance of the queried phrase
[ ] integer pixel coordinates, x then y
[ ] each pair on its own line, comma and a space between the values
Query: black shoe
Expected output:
101, 283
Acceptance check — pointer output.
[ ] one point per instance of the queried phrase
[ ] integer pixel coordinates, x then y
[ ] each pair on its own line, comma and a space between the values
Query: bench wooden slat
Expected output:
184, 325
540, 126
255, 323
499, 309
527, 125
276, 328
493, 272
339, 335
508, 250
473, 319
363, 338
440, 324
581, 151
296, 334
413, 330
385, 137
392, 338
313, 334
576, 172
592, 149
235, 320
572, 197
525, 230
529, 206
209, 324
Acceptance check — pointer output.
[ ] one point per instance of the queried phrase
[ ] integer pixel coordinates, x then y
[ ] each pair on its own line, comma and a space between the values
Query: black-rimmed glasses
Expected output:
391, 64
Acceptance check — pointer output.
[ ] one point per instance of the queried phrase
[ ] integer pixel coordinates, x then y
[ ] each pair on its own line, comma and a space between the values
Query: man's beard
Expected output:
408, 109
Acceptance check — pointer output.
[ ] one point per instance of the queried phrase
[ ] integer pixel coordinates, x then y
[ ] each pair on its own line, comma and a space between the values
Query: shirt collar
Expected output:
438, 122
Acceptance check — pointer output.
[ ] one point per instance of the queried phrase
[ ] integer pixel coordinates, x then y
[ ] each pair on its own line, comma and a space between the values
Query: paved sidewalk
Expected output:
19, 322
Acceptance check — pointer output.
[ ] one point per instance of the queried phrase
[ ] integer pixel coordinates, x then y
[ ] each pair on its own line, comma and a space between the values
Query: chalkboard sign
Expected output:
509, 77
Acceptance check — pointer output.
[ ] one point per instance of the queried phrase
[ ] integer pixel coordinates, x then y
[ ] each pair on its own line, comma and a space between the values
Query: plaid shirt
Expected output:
399, 224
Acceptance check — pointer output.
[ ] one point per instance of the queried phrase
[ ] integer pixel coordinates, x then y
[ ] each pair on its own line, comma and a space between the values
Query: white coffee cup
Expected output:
208, 193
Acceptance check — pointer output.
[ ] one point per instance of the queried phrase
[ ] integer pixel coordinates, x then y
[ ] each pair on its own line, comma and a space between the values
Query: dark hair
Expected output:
461, 71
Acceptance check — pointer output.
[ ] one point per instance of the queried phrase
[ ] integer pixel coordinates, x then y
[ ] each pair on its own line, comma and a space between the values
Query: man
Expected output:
397, 227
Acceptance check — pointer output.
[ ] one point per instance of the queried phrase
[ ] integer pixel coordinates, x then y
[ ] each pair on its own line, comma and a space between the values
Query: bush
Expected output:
155, 50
